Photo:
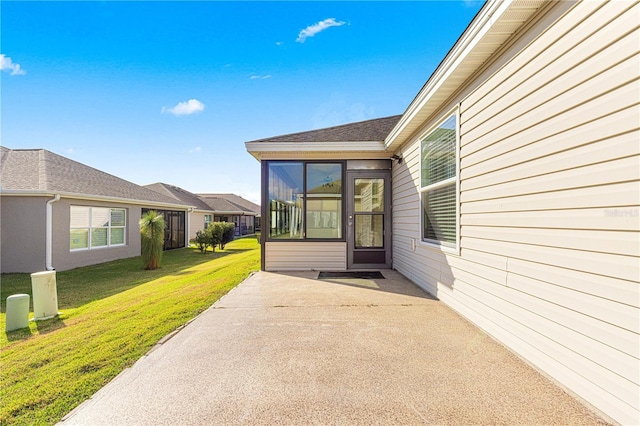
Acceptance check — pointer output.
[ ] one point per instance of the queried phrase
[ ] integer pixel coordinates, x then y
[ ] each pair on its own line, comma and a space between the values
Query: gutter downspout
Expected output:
49, 233
186, 234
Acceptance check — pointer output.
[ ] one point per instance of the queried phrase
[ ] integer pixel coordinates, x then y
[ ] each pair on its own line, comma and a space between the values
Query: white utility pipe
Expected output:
49, 233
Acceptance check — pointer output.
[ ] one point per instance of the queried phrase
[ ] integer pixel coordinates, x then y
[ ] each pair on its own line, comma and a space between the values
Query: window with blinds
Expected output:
439, 172
95, 227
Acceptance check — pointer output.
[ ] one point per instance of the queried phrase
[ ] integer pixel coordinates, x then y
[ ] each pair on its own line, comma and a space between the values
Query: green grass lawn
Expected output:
111, 315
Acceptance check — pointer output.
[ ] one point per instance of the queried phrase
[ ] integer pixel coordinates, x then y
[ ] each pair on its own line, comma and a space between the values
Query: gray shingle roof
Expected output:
223, 205
370, 130
42, 170
244, 205
217, 203
179, 194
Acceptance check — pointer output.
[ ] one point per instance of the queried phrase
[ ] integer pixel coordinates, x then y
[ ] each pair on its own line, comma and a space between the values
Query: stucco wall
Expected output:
63, 258
196, 223
22, 234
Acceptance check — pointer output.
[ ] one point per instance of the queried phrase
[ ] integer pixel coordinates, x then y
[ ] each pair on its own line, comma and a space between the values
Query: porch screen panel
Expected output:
324, 200
174, 232
175, 227
369, 195
285, 200
369, 231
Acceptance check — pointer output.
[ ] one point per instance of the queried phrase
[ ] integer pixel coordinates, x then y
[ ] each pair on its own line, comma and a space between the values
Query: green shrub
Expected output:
202, 241
228, 234
215, 232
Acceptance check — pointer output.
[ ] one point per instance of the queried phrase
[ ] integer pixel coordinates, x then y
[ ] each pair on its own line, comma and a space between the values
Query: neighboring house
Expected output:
199, 216
56, 213
514, 180
207, 208
233, 208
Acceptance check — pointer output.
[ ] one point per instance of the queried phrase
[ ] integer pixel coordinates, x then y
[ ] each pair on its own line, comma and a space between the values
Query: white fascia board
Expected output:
315, 146
321, 156
39, 193
469, 40
257, 149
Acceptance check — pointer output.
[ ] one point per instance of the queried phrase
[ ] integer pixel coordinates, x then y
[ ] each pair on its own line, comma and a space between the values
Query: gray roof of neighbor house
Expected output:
220, 204
370, 130
41, 171
244, 204
179, 194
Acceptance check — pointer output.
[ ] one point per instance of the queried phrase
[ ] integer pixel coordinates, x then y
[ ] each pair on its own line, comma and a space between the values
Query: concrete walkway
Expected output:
292, 349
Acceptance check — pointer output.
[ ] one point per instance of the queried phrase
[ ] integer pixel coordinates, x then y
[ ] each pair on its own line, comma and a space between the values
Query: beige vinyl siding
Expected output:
587, 33
64, 259
575, 199
549, 258
305, 256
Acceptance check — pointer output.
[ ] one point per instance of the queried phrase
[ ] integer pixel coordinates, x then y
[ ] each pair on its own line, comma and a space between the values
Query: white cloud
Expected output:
260, 77
195, 150
314, 29
6, 64
185, 108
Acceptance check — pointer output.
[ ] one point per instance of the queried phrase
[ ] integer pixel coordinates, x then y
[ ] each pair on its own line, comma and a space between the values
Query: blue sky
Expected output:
170, 91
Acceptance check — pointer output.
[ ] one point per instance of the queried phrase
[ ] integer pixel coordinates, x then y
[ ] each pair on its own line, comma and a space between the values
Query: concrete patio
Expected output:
293, 349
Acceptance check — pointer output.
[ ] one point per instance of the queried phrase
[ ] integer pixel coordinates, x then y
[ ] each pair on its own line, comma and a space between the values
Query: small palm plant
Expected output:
152, 232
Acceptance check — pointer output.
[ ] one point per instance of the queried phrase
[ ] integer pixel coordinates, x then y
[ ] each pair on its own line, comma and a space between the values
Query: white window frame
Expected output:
455, 179
207, 222
109, 227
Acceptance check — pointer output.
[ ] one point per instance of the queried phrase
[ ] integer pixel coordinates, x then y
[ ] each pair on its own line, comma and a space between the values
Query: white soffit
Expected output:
486, 34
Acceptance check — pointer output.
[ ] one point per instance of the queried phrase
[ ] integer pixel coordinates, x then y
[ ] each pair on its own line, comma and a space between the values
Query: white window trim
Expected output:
430, 243
124, 229
90, 228
207, 222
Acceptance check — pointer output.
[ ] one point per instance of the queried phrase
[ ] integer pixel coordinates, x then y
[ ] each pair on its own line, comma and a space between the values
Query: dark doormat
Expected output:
369, 275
